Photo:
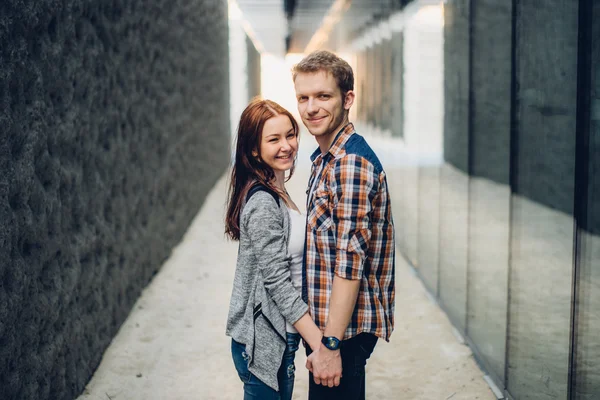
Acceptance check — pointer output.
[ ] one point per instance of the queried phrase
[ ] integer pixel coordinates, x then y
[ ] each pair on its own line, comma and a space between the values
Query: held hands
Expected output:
326, 366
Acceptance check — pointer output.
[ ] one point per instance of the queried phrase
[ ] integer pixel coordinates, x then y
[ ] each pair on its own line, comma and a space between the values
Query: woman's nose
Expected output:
285, 145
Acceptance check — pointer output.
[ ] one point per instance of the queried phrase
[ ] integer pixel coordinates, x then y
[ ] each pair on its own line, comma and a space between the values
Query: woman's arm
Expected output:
309, 331
263, 223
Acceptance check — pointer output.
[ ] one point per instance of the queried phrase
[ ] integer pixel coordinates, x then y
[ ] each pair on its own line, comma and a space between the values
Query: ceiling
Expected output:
273, 21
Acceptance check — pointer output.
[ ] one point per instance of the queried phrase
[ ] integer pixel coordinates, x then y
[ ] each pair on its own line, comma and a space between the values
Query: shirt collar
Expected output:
338, 143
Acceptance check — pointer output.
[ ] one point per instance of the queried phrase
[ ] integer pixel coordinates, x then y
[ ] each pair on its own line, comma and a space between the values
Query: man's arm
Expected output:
341, 306
326, 364
354, 185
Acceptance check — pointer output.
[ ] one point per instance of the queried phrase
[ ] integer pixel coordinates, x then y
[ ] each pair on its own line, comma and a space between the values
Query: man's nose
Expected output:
312, 107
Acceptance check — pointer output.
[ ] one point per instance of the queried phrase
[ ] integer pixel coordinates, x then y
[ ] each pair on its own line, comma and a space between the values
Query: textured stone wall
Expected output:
114, 125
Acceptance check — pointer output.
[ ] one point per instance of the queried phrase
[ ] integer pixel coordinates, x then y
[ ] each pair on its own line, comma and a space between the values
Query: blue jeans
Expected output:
254, 388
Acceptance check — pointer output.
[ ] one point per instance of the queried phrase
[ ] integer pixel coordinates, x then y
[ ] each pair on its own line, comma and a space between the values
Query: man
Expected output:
348, 276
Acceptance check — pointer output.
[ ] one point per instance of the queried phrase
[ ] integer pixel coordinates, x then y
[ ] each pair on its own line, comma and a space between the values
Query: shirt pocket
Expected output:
319, 217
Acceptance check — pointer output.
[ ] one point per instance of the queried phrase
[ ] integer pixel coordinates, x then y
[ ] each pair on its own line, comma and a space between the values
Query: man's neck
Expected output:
325, 141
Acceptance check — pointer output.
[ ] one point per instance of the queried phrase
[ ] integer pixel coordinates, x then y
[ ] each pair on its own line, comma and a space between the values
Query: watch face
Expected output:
332, 343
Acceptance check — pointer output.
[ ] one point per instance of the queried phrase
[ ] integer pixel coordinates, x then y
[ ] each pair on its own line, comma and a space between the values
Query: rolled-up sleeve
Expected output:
354, 185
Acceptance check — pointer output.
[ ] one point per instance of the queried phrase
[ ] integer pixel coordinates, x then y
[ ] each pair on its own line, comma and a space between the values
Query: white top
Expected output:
296, 252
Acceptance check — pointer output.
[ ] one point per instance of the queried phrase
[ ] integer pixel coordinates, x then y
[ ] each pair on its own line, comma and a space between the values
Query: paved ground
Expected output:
173, 345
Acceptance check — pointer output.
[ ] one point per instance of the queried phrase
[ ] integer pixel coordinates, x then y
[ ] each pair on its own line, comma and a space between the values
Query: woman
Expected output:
266, 313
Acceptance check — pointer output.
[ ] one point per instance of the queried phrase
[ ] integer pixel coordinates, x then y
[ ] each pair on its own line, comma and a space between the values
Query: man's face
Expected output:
320, 103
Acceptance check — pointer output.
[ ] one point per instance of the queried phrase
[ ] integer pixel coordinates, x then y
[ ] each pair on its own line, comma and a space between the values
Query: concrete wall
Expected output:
114, 127
244, 70
254, 70
238, 75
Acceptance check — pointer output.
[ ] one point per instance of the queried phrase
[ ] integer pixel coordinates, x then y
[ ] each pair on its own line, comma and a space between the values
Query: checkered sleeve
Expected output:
354, 185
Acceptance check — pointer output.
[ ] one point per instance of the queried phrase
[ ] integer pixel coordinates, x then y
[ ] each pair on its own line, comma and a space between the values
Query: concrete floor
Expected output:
173, 344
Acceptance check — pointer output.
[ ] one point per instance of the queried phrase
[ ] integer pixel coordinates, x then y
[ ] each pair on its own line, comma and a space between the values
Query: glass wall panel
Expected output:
370, 84
587, 378
542, 203
489, 190
412, 130
454, 187
397, 67
587, 370
425, 69
386, 94
377, 84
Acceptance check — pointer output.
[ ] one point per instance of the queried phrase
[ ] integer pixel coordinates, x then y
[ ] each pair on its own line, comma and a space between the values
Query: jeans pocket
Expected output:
367, 344
357, 353
240, 360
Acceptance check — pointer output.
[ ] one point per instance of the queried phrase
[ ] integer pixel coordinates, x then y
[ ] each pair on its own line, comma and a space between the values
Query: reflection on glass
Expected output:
429, 221
587, 381
488, 270
489, 190
540, 298
587, 339
542, 207
454, 198
587, 366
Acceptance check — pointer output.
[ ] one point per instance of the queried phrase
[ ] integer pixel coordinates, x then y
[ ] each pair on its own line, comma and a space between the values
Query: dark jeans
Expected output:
355, 352
254, 388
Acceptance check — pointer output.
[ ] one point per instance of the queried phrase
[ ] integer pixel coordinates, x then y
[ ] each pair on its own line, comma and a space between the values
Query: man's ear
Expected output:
349, 99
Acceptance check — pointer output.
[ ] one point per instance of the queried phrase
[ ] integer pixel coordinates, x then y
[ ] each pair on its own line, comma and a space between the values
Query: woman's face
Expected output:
279, 143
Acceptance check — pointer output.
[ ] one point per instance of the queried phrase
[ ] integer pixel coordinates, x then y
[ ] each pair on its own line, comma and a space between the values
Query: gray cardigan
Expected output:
263, 297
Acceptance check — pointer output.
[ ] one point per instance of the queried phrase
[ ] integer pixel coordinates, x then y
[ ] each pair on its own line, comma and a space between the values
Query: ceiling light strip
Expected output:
333, 16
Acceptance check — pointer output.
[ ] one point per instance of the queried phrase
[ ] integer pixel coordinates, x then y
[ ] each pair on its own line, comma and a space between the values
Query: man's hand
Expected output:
326, 366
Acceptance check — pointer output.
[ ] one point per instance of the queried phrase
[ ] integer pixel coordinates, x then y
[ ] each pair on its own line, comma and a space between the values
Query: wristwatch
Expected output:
331, 342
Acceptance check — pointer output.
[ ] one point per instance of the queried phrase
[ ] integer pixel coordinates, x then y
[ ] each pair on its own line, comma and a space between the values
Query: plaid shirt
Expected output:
350, 234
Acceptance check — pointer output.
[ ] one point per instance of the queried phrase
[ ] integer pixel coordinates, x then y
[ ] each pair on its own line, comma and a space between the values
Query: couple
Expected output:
326, 277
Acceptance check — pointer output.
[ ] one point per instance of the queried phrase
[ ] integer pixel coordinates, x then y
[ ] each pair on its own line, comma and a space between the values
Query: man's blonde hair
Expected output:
323, 60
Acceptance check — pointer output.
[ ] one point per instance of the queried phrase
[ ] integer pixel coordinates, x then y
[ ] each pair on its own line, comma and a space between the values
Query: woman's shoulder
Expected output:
261, 203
